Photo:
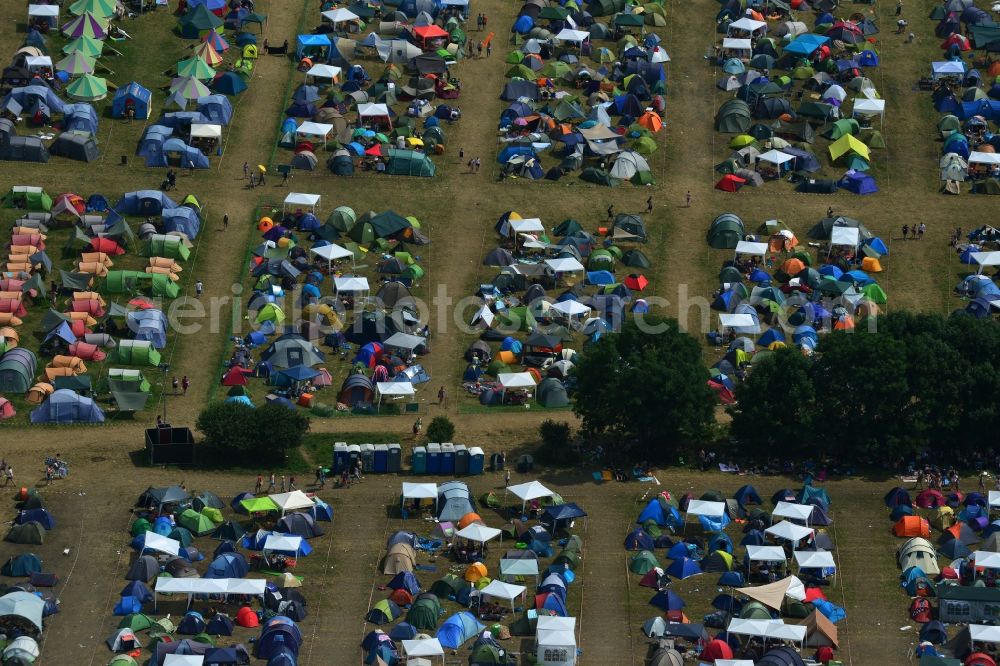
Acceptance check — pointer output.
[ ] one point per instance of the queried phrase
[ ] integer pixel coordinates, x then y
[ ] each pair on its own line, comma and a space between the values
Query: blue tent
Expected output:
832, 612
900, 511
216, 108
66, 406
637, 539
228, 565
858, 183
228, 83
600, 277
187, 156
62, 332
510, 151
185, 220
732, 579
148, 325
720, 541
32, 98
279, 633
192, 624
523, 24
128, 606
137, 589
683, 568
144, 203
405, 580
681, 549
80, 118
653, 510
132, 95
805, 45
313, 45
458, 629
748, 494
403, 631
667, 600
36, 515
220, 625
22, 565
867, 59
211, 5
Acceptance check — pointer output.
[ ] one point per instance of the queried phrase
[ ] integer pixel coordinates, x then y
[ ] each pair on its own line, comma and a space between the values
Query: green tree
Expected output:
235, 433
645, 387
556, 448
441, 429
774, 406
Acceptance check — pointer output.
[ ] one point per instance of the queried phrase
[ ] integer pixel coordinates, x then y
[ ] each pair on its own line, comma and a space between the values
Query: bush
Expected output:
237, 434
441, 429
556, 446
323, 411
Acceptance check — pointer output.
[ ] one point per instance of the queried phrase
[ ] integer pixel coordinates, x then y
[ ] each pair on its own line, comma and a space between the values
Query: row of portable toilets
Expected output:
447, 459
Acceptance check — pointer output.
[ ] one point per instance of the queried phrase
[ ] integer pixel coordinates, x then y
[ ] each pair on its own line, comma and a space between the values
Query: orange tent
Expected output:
475, 571
845, 323
792, 266
912, 526
468, 519
265, 225
9, 319
871, 265
651, 121
11, 337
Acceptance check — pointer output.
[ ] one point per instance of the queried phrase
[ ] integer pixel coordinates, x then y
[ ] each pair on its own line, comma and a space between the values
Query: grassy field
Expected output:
458, 211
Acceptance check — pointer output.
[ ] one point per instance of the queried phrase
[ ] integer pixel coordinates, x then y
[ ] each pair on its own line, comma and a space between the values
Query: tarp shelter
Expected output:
159, 543
768, 630
300, 201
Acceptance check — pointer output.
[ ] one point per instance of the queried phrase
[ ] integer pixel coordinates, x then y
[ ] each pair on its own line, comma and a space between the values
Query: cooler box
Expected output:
477, 460
306, 400
341, 459
381, 465
433, 458
448, 459
395, 458
461, 460
419, 460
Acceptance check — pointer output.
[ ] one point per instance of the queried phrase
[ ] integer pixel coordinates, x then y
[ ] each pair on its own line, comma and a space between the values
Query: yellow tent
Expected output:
848, 144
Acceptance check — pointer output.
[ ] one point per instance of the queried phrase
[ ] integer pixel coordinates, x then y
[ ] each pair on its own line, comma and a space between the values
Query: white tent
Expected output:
332, 253
556, 641
484, 315
212, 586
869, 107
281, 543
743, 46
706, 508
522, 567
45, 12
339, 15
371, 110
947, 68
206, 131
736, 321
976, 157
748, 24
771, 629
527, 226
160, 543
394, 390
301, 200
849, 236
530, 490
994, 499
424, 647
815, 559
575, 36
789, 531
321, 71
793, 510
404, 341
751, 248
351, 284
515, 380
766, 553
733, 662
310, 131
292, 501
565, 265
500, 590
984, 633
571, 308
479, 533
775, 157
184, 660
986, 560
986, 259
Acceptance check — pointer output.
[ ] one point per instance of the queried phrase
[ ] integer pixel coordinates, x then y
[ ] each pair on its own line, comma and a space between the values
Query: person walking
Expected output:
687, 199
506, 479
479, 50
225, 222
282, 489
611, 212
253, 180
649, 205
246, 170
320, 477
259, 486
285, 176
262, 172
489, 48
485, 19
899, 8
185, 384
176, 384
199, 286
920, 231
461, 155
418, 425
479, 21
478, 162
9, 478
442, 394
270, 483
829, 211
291, 483
906, 231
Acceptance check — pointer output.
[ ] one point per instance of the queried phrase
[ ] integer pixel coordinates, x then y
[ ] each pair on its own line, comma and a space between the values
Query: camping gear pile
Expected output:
590, 93
978, 250
29, 599
389, 121
764, 609
101, 312
774, 293
206, 566
949, 559
967, 95
785, 86
485, 594
375, 330
547, 295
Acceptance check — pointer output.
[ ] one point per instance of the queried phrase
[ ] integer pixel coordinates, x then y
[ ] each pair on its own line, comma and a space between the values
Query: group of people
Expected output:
916, 231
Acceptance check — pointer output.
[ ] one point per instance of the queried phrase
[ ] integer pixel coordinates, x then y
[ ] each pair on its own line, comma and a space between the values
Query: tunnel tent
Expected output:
27, 197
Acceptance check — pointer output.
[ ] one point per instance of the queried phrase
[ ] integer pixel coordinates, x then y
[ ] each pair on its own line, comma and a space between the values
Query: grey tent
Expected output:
130, 401
824, 228
75, 147
145, 568
552, 393
32, 532
726, 231
733, 117
499, 257
24, 149
291, 350
636, 259
454, 501
17, 370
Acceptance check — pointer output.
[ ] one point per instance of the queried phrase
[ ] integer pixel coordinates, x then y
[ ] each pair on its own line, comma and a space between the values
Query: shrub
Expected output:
556, 445
237, 434
441, 429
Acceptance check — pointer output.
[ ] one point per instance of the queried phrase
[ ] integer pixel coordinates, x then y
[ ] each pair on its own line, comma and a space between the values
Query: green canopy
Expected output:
99, 8
259, 505
88, 46
87, 88
195, 67
76, 63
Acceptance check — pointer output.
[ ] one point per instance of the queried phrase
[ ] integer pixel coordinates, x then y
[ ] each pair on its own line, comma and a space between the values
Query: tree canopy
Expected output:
240, 434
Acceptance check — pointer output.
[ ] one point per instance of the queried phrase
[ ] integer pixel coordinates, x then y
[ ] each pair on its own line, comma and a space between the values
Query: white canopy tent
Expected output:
48, 13
500, 590
424, 647
976, 157
736, 321
301, 201
742, 48
575, 36
395, 390
766, 554
281, 543
789, 531
985, 259
705, 508
751, 248
528, 225
515, 380
405, 341
369, 110
332, 253
565, 265
352, 284
310, 131
35, 63
986, 560
733, 662
946, 68
864, 106
339, 15
775, 157
184, 660
209, 586
793, 510
321, 71
531, 490
160, 544
206, 131
748, 24
849, 236
993, 499
815, 559
571, 308
556, 641
479, 533
292, 501
421, 491
523, 567
983, 633
770, 629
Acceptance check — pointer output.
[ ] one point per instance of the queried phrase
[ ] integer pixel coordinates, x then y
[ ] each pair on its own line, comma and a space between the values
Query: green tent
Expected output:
127, 379
87, 88
449, 585
171, 247
198, 524
556, 69
122, 660
497, 367
140, 526
754, 610
636, 259
423, 615
136, 352
598, 177
410, 163
567, 227
29, 198
843, 127
124, 282
642, 178
725, 232
514, 58
988, 186
212, 514
88, 46
553, 13
521, 72
136, 622
874, 293
270, 312
519, 317
643, 562
873, 139
162, 285
733, 117
342, 218
200, 19
31, 532
388, 224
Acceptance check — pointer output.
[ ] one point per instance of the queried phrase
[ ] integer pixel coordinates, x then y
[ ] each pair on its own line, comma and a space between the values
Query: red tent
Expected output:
245, 617
236, 376
107, 246
717, 649
425, 33
636, 282
87, 352
6, 409
375, 151
730, 183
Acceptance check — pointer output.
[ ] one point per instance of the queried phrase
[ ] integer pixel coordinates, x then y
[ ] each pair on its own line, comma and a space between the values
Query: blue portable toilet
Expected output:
433, 458
395, 457
368, 458
341, 459
419, 460
448, 459
381, 465
461, 460
477, 460
353, 455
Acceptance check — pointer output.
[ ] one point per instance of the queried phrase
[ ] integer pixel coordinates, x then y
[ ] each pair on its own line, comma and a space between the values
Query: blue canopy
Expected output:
805, 45
311, 43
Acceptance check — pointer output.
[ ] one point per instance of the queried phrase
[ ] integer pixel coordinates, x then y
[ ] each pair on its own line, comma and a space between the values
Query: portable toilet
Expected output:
353, 455
341, 460
368, 458
433, 458
461, 460
395, 458
448, 459
497, 462
381, 465
419, 460
476, 460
